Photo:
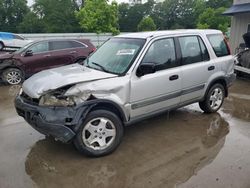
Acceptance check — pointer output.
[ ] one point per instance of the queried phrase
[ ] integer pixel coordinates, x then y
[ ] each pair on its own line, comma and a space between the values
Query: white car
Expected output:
129, 78
10, 40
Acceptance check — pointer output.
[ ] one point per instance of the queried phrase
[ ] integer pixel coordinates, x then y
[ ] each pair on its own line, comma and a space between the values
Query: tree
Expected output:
218, 3
177, 14
31, 24
12, 13
147, 24
130, 16
212, 19
57, 16
98, 16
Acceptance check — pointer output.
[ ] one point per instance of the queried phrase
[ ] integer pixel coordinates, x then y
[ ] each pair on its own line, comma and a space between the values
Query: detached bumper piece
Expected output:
58, 122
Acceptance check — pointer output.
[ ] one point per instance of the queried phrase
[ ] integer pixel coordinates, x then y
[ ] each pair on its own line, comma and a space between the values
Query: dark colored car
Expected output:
42, 55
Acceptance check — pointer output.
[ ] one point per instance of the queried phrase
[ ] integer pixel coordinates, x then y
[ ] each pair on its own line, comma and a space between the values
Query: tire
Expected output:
213, 99
1, 45
93, 137
12, 76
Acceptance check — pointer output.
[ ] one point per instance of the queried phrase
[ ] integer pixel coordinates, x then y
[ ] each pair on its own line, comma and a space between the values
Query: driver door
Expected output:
161, 90
39, 60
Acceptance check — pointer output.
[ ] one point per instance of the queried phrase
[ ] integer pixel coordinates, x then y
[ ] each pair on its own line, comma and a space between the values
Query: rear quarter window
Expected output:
219, 45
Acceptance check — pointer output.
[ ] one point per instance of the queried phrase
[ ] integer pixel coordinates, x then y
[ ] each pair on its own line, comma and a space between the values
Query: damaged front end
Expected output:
54, 114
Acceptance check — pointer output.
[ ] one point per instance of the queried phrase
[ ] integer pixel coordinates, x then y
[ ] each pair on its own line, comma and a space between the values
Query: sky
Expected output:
119, 1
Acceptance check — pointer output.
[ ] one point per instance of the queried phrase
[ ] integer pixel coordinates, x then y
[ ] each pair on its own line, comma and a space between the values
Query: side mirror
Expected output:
28, 53
145, 68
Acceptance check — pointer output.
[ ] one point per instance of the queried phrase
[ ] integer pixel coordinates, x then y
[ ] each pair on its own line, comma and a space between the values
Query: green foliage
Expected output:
147, 24
218, 3
98, 16
212, 18
130, 16
57, 16
31, 24
11, 14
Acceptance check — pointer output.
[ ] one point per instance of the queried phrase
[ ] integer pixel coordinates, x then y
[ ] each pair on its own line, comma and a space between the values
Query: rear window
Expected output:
76, 44
219, 45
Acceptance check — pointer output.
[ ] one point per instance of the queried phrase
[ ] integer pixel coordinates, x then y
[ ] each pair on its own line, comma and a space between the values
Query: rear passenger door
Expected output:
62, 53
197, 67
154, 92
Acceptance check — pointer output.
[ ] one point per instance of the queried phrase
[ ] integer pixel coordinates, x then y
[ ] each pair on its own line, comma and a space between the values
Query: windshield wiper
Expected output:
102, 67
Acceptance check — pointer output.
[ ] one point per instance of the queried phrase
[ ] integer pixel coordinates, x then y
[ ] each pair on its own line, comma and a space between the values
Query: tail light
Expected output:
93, 50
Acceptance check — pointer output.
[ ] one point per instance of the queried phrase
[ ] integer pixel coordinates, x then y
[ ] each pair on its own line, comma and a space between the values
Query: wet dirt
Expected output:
184, 148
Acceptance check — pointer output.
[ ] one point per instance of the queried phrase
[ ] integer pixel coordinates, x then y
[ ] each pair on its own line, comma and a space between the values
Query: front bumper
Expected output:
59, 122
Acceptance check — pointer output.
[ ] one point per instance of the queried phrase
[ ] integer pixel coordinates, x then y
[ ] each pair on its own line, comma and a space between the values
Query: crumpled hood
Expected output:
6, 56
52, 79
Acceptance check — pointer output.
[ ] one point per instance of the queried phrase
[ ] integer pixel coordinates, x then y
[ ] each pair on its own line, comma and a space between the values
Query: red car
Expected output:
41, 55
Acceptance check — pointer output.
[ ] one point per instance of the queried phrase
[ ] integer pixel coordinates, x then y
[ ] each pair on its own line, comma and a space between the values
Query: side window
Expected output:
219, 45
75, 44
162, 53
40, 47
60, 45
204, 50
190, 50
248, 28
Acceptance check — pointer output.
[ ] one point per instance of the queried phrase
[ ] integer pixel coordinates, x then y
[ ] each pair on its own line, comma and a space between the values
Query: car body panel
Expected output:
138, 97
48, 80
13, 40
39, 61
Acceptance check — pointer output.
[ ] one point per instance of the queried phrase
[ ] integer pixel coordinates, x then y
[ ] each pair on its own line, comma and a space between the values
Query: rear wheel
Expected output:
12, 76
100, 134
214, 99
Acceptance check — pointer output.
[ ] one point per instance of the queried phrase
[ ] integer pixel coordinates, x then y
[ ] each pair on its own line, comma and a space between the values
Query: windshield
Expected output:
116, 55
22, 49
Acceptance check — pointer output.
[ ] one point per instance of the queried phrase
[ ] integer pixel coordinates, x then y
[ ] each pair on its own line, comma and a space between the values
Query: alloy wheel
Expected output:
99, 133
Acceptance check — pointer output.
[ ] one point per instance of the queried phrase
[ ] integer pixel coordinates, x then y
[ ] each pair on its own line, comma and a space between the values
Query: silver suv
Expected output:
129, 78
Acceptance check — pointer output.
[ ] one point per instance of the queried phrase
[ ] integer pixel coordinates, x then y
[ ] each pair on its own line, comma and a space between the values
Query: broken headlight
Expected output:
61, 98
57, 98
52, 100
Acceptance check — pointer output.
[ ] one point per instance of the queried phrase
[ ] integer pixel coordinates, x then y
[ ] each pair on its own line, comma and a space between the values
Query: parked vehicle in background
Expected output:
243, 56
11, 40
41, 55
129, 78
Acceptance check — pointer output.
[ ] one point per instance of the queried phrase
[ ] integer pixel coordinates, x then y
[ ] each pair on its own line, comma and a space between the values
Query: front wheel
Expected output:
100, 134
213, 99
12, 76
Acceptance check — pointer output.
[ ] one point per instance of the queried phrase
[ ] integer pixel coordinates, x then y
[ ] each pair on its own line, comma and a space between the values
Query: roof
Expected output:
145, 35
238, 9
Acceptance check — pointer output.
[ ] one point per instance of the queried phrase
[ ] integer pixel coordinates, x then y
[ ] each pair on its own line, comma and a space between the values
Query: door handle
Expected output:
47, 55
174, 77
211, 68
72, 52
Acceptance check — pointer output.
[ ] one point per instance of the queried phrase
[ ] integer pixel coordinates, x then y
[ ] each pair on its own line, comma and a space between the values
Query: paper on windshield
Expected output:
126, 52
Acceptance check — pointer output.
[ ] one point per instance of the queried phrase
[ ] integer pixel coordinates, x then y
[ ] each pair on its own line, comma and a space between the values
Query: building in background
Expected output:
240, 24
